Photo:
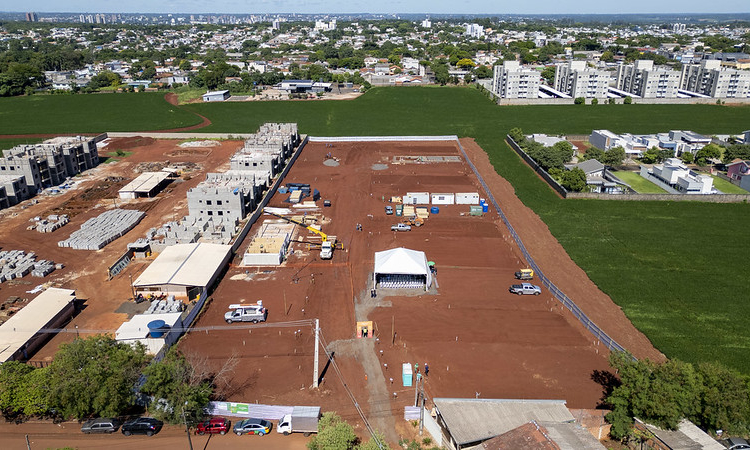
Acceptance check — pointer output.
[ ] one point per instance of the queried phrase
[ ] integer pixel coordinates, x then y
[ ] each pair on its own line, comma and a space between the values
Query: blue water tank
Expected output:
282, 190
485, 207
434, 210
156, 328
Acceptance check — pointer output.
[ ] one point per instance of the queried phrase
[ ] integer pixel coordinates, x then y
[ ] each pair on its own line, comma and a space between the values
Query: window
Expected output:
218, 202
210, 213
208, 202
221, 213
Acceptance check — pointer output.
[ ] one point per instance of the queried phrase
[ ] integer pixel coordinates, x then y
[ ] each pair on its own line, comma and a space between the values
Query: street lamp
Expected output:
187, 430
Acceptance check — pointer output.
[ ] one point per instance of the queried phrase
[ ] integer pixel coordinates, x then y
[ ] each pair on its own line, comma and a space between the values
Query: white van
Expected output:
246, 313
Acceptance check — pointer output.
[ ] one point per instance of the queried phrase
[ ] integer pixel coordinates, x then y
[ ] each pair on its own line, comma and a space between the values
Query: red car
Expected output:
217, 425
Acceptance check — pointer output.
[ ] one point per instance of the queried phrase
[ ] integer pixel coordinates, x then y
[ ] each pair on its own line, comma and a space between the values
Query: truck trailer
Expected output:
303, 419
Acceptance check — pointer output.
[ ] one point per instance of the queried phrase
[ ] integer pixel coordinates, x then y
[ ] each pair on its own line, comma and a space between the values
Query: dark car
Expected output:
142, 425
217, 425
252, 426
100, 425
734, 443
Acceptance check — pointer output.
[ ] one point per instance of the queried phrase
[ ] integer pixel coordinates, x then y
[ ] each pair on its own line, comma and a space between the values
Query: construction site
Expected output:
389, 253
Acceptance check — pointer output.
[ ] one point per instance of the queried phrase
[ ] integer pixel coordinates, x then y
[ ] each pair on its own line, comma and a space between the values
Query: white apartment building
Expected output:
474, 30
645, 81
710, 78
512, 81
578, 80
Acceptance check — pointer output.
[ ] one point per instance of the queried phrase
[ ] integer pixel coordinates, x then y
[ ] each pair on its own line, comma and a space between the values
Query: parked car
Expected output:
400, 227
253, 426
389, 210
100, 425
217, 425
142, 425
525, 289
246, 313
734, 443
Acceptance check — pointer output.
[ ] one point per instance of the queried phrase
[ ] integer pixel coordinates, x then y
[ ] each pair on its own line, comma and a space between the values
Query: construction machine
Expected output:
414, 221
328, 243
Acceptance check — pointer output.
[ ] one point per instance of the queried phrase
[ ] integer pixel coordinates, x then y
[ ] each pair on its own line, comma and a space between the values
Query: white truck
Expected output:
303, 419
246, 313
525, 289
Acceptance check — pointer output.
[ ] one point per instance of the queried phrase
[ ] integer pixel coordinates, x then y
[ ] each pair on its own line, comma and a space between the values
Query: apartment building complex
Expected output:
711, 79
512, 81
27, 169
644, 81
577, 80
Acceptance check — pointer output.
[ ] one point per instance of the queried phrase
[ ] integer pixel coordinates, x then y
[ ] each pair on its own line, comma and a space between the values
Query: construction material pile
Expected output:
50, 224
17, 263
99, 231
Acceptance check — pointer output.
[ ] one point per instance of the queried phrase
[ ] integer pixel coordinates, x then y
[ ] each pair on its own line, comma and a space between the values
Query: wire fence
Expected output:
598, 333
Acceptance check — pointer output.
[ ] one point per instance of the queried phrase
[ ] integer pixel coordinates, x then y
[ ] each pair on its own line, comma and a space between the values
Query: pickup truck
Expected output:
401, 227
525, 289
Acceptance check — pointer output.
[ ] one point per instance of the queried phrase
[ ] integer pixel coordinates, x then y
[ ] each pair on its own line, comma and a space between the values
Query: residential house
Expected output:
676, 174
598, 178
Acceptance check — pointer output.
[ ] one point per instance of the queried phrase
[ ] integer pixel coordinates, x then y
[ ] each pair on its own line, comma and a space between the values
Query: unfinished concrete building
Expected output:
47, 164
221, 199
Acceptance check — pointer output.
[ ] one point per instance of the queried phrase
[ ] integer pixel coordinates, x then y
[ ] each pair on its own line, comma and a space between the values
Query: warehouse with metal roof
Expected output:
20, 336
146, 184
469, 422
184, 270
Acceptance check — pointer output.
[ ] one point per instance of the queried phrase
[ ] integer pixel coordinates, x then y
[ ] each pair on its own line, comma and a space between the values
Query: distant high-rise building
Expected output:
276, 24
426, 23
709, 78
474, 30
31, 17
577, 80
679, 27
645, 81
513, 81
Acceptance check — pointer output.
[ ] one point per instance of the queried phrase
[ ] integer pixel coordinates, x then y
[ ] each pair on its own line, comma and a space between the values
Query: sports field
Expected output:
678, 269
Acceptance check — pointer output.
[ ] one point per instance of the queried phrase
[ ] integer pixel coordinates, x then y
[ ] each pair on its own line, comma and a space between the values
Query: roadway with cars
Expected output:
43, 435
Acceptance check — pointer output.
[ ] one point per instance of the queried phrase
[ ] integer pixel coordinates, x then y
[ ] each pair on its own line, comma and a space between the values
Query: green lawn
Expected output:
678, 269
10, 143
726, 187
637, 182
94, 113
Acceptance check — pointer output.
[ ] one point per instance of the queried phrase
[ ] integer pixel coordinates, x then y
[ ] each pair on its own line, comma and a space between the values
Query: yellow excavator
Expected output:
328, 242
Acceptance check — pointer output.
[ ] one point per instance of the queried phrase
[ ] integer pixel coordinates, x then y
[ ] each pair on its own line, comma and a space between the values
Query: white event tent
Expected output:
401, 268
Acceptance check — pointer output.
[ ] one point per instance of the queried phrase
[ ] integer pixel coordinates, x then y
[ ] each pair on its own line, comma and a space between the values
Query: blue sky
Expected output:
383, 6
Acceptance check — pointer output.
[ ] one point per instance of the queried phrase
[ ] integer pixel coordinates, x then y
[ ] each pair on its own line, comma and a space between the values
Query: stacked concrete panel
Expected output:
169, 305
17, 263
99, 231
51, 223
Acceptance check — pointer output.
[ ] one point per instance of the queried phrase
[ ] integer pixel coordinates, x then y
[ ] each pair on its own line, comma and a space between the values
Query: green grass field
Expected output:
94, 113
10, 143
726, 187
637, 182
678, 269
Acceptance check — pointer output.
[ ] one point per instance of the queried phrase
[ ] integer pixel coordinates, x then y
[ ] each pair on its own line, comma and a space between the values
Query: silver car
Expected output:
100, 426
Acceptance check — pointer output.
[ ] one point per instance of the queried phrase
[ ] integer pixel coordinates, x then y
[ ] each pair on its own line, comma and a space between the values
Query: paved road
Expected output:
46, 435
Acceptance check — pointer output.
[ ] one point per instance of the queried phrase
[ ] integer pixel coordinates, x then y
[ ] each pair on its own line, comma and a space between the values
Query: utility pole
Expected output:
416, 389
421, 410
187, 430
317, 346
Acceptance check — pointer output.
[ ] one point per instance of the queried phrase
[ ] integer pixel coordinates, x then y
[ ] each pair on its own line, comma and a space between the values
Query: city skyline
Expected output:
386, 6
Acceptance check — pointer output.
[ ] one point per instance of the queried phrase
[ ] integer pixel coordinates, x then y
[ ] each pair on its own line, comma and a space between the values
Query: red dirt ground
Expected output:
476, 337
86, 271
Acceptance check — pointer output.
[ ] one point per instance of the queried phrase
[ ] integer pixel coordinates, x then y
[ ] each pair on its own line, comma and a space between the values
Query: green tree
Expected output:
483, 72
594, 153
548, 74
627, 100
594, 101
723, 400
737, 151
35, 393
104, 79
377, 442
687, 157
517, 135
565, 149
465, 63
613, 157
579, 101
574, 180
175, 383
650, 156
710, 151
333, 434
607, 56
664, 154
95, 375
12, 374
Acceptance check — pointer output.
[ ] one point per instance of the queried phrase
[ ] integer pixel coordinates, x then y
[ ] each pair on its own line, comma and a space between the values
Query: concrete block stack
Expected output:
99, 231
51, 223
17, 263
